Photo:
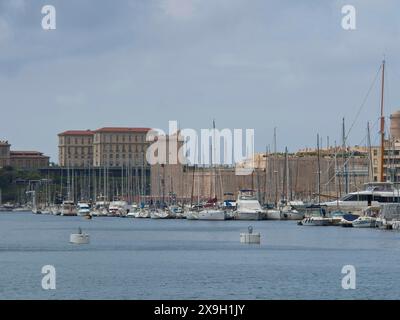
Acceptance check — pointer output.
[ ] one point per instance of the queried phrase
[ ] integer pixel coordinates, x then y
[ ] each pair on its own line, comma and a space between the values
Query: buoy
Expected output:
79, 238
250, 237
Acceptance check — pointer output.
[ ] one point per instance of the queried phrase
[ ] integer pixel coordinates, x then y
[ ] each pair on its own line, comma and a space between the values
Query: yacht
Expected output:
374, 194
83, 209
273, 214
100, 209
316, 216
288, 212
68, 208
248, 207
364, 222
118, 208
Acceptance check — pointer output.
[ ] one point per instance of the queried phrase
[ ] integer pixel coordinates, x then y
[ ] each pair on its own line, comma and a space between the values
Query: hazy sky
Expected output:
247, 63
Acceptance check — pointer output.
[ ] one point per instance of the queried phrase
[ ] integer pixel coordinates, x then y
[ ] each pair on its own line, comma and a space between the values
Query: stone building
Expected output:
117, 147
110, 146
391, 155
269, 178
22, 159
4, 154
28, 159
75, 148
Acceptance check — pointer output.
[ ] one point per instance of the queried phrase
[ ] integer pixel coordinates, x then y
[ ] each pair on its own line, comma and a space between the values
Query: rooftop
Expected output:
77, 133
26, 153
121, 129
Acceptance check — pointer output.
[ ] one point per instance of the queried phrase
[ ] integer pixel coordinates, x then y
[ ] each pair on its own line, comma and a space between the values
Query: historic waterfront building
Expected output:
117, 147
28, 159
391, 155
75, 148
22, 159
111, 147
4, 154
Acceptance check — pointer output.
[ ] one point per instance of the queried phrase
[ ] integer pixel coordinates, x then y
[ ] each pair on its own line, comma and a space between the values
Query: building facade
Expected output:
22, 159
28, 159
111, 147
4, 154
391, 153
75, 148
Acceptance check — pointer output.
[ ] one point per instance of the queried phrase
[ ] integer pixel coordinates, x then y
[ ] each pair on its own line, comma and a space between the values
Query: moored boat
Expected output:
248, 207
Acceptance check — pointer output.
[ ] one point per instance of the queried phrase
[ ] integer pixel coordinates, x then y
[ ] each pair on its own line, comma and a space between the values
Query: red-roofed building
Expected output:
22, 159
75, 148
108, 146
28, 159
4, 154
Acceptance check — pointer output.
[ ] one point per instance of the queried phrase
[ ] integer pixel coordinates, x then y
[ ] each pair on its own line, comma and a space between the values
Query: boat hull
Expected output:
317, 222
273, 215
248, 215
214, 215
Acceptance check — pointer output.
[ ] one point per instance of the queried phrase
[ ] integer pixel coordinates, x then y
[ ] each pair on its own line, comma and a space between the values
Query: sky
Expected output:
253, 64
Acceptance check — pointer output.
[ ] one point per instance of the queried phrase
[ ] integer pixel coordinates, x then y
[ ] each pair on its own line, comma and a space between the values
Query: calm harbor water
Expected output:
179, 259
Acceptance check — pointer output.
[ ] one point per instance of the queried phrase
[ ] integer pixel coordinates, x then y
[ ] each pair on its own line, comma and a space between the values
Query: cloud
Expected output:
179, 9
5, 31
72, 100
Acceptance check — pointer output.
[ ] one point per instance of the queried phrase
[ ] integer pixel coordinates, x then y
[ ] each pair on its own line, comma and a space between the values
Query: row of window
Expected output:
120, 138
366, 198
87, 141
122, 148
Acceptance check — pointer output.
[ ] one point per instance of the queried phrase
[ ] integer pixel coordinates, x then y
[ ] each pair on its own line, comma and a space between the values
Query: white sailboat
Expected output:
160, 214
212, 210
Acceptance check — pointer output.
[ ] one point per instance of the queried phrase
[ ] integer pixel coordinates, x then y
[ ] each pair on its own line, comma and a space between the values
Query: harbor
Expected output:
216, 151
183, 259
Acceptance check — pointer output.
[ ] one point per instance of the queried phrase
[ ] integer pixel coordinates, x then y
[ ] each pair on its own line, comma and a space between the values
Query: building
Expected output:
117, 147
22, 159
28, 159
4, 154
106, 147
391, 155
75, 148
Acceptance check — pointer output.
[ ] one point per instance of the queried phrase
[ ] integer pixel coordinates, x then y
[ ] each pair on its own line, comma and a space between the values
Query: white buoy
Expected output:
250, 237
79, 238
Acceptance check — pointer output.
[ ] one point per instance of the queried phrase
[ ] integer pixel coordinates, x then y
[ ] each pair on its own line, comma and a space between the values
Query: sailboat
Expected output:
288, 212
211, 211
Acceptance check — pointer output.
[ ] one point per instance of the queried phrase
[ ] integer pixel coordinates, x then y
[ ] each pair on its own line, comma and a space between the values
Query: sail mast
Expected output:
319, 171
382, 123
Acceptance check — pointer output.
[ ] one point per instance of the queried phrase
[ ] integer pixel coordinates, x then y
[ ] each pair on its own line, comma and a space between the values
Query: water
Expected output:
179, 259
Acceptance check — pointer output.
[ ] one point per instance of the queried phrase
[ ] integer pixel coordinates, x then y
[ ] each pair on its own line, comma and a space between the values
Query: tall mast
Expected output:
345, 168
370, 166
382, 122
319, 171
213, 163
